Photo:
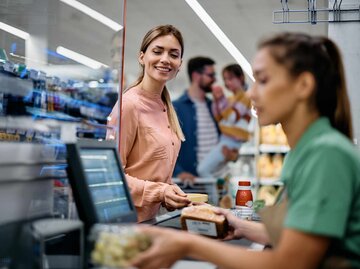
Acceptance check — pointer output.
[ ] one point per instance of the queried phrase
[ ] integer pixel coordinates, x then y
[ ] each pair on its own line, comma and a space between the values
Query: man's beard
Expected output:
206, 89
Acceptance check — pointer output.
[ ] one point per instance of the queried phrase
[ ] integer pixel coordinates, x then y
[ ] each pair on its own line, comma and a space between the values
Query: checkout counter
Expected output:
172, 220
34, 235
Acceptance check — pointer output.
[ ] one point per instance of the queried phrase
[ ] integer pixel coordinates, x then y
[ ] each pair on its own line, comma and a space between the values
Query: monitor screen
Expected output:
105, 183
98, 182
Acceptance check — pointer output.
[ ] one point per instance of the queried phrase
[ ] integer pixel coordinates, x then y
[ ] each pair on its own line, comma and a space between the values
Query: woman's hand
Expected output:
167, 247
175, 198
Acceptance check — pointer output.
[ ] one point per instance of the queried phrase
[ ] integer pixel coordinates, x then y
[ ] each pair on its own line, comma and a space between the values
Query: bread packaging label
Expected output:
201, 227
203, 220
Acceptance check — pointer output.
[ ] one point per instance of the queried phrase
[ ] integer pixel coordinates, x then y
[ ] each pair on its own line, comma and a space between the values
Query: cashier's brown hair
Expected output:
151, 35
320, 56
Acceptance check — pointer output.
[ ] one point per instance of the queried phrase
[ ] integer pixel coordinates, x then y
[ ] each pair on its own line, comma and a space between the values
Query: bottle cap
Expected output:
244, 183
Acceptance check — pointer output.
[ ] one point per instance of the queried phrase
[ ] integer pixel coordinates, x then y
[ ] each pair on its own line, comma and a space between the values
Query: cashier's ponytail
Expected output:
320, 56
341, 117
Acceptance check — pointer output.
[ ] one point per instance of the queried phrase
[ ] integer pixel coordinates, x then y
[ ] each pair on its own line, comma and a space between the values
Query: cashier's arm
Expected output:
296, 250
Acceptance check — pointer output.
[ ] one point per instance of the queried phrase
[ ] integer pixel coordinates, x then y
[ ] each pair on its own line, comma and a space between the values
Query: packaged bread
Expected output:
116, 245
203, 220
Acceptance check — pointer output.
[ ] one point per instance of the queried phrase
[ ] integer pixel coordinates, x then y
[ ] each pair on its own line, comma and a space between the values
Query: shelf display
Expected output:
49, 97
273, 147
260, 161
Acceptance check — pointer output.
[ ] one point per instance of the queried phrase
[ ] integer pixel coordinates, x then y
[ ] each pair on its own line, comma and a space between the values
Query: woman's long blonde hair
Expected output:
158, 31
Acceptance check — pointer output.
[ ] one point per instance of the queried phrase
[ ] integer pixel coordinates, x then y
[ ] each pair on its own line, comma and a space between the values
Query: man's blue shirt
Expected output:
186, 112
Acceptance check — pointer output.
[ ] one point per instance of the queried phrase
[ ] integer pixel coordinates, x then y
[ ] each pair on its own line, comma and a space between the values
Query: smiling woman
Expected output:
150, 131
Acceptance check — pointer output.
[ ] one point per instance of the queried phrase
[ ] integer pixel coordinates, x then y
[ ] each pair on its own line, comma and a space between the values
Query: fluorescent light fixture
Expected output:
220, 35
93, 14
79, 58
14, 31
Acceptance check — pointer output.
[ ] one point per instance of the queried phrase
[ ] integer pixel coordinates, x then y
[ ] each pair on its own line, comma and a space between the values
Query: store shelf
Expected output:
270, 182
266, 148
41, 113
250, 151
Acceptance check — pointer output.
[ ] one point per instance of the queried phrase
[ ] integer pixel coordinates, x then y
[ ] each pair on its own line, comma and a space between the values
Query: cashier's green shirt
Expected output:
322, 179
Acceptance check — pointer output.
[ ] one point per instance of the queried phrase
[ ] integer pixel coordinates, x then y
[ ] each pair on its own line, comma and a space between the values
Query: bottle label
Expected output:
244, 198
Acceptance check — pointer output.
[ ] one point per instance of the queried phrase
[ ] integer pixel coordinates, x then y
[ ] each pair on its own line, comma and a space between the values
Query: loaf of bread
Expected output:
203, 220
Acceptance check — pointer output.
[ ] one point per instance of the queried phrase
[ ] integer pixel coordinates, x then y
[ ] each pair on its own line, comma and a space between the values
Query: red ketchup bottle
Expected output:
244, 196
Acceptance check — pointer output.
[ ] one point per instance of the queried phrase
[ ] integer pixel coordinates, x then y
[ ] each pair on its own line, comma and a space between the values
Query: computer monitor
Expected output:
98, 183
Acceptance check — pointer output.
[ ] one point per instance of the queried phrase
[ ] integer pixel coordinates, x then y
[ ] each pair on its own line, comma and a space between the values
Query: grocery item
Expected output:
116, 245
244, 196
203, 220
265, 166
277, 162
244, 200
268, 135
280, 135
198, 197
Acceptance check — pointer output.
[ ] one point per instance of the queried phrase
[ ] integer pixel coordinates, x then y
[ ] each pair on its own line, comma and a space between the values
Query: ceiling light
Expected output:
220, 35
94, 14
14, 31
79, 58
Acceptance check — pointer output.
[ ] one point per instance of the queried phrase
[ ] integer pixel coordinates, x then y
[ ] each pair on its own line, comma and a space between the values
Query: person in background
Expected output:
194, 111
300, 83
150, 132
233, 115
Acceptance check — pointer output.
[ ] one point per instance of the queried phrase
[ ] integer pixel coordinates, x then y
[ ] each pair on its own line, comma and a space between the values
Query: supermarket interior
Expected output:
89, 160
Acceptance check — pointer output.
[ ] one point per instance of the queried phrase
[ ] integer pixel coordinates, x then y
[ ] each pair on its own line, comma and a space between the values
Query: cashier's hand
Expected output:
168, 246
234, 223
174, 197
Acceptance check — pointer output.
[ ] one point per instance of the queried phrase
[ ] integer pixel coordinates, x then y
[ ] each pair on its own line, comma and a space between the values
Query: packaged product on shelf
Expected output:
268, 134
265, 166
280, 135
277, 163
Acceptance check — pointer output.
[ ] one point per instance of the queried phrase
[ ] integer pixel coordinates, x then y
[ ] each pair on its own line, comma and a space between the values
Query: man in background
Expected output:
197, 122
